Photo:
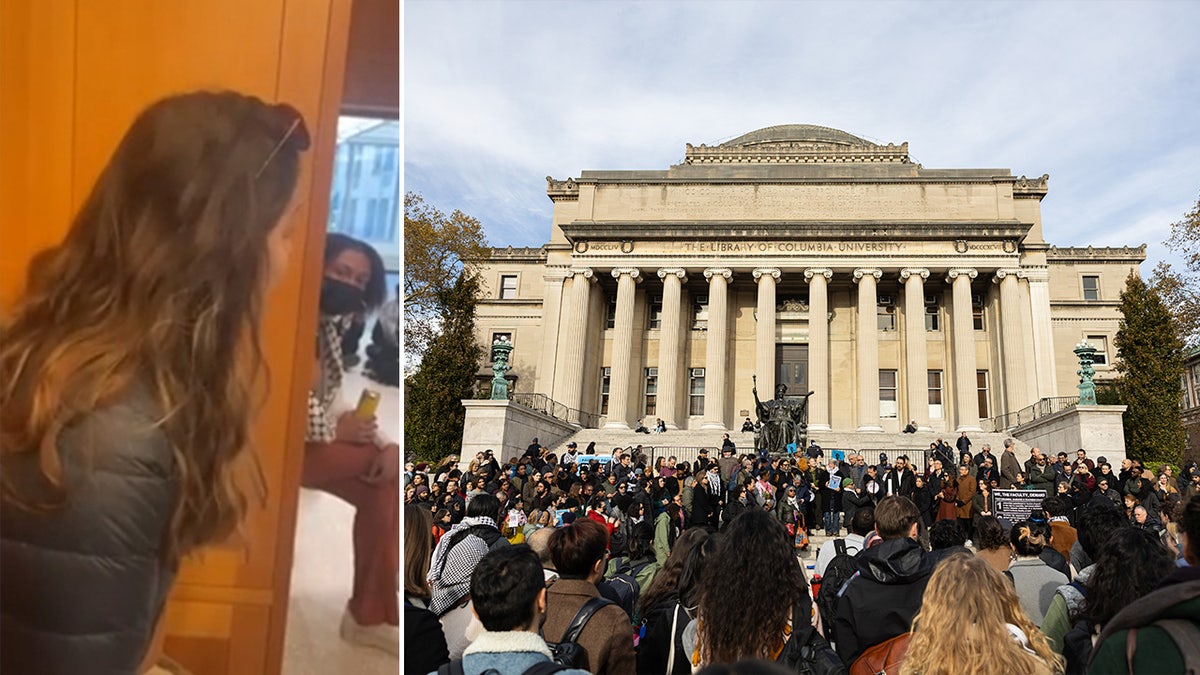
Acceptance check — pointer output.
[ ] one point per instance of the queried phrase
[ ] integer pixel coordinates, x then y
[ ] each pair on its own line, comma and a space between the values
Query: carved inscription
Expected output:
793, 246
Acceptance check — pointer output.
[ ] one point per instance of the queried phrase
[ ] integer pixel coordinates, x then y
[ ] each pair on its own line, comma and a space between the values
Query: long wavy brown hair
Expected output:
961, 630
158, 289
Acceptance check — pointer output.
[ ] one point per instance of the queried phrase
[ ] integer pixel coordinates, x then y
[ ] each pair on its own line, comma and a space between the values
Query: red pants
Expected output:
336, 468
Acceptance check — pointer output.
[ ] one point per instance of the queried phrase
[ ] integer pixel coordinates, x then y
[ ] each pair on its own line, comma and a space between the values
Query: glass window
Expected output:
1100, 342
508, 287
605, 382
696, 392
935, 394
365, 200
1091, 287
499, 337
887, 394
981, 382
610, 315
886, 317
700, 313
1196, 385
977, 312
654, 322
651, 391
933, 318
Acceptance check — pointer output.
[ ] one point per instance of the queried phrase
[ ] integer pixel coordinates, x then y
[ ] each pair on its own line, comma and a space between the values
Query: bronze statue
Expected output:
780, 421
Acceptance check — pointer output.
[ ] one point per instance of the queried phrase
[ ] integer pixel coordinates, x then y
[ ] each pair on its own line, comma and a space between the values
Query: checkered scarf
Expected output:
321, 426
454, 582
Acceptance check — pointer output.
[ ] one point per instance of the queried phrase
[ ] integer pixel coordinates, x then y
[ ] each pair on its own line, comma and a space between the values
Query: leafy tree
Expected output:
1180, 289
435, 246
1151, 363
433, 415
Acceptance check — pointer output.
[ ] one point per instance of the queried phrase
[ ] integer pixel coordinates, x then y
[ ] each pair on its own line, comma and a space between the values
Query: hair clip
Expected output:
279, 146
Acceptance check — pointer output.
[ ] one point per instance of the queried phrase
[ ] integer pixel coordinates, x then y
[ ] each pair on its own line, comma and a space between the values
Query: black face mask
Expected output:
339, 298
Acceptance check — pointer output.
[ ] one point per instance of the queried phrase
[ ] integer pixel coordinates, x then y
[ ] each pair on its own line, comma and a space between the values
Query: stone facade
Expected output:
1191, 405
805, 255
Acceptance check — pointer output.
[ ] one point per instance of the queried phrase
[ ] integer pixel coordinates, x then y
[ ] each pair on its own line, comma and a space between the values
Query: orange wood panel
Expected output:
74, 75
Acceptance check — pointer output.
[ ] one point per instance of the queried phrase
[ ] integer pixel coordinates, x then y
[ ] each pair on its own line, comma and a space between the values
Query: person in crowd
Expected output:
1041, 476
987, 472
967, 487
1034, 579
992, 543
1176, 596
510, 602
1096, 525
708, 497
1130, 564
1021, 482
733, 625
789, 510
1104, 488
660, 427
924, 500
1064, 535
383, 354
971, 621
880, 602
862, 524
831, 499
985, 452
1081, 459
128, 374
578, 552
982, 504
1009, 466
1144, 521
948, 501
945, 539
662, 613
963, 443
855, 498
346, 454
422, 631
1138, 486
539, 541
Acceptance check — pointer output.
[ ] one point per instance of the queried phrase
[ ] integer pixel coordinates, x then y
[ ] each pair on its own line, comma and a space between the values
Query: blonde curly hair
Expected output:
961, 630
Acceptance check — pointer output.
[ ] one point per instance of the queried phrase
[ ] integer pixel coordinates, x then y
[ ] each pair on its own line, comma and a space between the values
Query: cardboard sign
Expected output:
1015, 505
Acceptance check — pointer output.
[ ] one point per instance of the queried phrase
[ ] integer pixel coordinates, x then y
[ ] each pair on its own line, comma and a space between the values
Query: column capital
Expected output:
618, 272
679, 272
860, 272
586, 272
1014, 272
774, 272
907, 272
718, 271
818, 271
954, 272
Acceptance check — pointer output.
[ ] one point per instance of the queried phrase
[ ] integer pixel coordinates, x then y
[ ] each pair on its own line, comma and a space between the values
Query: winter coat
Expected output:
607, 638
83, 587
654, 650
880, 602
966, 495
1042, 478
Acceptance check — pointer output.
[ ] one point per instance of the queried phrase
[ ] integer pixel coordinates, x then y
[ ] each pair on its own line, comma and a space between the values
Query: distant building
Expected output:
805, 256
1191, 404
365, 197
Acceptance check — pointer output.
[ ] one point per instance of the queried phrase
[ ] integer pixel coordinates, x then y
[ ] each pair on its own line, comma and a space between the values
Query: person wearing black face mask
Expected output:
346, 455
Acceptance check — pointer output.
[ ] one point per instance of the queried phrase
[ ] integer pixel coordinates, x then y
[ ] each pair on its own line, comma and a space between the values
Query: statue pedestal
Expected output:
507, 428
1095, 428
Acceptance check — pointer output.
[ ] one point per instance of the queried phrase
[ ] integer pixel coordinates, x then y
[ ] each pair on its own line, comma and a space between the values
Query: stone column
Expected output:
867, 341
818, 347
716, 357
670, 356
965, 389
765, 330
622, 347
1012, 339
551, 319
1043, 336
569, 374
915, 353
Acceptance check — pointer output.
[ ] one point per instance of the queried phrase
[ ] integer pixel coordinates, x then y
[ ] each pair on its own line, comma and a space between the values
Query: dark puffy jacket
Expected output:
83, 587
880, 601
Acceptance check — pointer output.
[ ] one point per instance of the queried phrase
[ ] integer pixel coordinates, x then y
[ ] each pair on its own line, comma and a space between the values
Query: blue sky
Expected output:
1103, 96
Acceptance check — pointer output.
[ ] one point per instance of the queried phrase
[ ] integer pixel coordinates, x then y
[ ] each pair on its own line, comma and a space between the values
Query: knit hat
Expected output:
883, 456
847, 482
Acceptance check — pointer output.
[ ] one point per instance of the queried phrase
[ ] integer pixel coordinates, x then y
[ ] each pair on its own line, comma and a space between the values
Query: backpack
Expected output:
567, 651
837, 573
625, 587
807, 653
882, 659
1146, 612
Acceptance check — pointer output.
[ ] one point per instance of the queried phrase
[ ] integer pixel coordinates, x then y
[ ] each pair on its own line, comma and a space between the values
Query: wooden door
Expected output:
73, 74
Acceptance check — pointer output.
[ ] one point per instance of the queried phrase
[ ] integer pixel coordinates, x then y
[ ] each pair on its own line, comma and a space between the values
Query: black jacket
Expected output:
82, 588
425, 642
654, 650
881, 599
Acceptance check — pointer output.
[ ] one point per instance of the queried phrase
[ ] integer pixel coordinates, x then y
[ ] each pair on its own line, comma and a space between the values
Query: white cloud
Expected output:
1102, 96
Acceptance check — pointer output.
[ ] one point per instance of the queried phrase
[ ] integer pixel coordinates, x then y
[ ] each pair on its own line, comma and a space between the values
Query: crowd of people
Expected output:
653, 565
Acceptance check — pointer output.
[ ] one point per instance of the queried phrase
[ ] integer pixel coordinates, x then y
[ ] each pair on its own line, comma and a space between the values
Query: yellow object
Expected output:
368, 403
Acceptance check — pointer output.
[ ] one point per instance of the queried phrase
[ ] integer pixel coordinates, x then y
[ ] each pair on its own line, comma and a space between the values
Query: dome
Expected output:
797, 133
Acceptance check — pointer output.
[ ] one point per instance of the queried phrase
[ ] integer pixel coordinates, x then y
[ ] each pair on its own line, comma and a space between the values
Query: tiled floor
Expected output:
322, 572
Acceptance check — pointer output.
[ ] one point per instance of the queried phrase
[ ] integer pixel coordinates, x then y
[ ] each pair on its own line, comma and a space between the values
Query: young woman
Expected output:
975, 604
346, 455
422, 631
128, 379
